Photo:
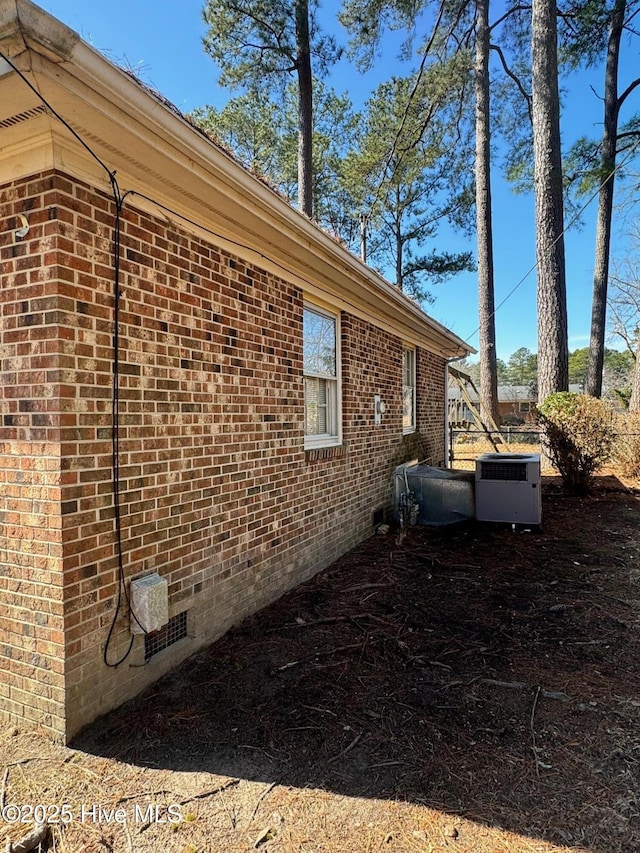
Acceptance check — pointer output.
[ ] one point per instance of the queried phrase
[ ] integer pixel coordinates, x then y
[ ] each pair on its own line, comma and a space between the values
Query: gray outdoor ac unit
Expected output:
508, 488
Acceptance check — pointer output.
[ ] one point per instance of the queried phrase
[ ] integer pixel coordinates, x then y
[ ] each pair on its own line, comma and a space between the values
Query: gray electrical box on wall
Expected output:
149, 597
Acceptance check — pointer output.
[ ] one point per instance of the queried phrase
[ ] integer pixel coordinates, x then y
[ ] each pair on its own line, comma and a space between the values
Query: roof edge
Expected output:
21, 28
25, 26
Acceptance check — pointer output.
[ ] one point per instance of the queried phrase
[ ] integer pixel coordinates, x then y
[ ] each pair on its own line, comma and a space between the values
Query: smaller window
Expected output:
321, 378
408, 390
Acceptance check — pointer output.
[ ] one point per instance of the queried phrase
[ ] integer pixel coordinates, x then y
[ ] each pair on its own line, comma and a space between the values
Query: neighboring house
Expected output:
253, 356
519, 400
512, 399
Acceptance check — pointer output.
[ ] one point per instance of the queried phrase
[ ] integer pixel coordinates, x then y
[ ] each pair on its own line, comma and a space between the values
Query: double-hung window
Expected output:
321, 377
408, 390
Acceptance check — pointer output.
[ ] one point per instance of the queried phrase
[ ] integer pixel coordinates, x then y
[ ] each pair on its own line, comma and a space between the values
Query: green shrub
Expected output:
578, 435
626, 450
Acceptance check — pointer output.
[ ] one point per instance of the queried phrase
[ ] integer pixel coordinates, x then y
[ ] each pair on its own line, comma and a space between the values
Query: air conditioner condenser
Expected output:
508, 488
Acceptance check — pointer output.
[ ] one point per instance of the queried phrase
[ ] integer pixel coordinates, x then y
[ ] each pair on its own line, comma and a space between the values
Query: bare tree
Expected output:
624, 309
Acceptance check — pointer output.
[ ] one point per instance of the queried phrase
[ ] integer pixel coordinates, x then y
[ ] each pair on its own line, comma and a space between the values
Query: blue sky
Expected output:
163, 40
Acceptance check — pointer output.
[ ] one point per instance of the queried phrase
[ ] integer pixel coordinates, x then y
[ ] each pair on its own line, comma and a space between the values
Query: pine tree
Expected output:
553, 350
258, 44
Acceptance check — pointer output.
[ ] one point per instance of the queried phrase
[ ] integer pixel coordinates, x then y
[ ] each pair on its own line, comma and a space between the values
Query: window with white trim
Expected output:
321, 377
408, 390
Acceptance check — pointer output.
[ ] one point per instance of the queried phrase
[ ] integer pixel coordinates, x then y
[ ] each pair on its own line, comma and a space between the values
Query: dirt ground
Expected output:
470, 689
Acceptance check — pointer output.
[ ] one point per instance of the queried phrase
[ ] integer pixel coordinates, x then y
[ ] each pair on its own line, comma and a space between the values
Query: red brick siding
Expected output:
431, 408
31, 623
31, 551
217, 492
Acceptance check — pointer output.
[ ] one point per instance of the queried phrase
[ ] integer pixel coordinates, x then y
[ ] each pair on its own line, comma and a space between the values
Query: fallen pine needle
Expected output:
264, 794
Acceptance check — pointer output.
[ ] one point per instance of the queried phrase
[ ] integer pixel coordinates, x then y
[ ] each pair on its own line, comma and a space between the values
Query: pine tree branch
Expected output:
508, 14
515, 78
628, 91
246, 12
633, 134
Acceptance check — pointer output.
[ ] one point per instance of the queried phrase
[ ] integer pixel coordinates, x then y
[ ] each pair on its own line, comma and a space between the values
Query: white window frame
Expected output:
333, 436
409, 428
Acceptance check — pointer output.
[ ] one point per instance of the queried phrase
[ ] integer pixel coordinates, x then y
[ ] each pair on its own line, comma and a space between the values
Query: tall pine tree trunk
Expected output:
486, 300
553, 349
593, 384
305, 109
634, 400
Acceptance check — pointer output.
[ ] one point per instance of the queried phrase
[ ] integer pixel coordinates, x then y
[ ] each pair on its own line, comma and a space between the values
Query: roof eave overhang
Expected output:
157, 153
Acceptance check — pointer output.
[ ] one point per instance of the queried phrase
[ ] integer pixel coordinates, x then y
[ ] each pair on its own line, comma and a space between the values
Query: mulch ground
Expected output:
470, 688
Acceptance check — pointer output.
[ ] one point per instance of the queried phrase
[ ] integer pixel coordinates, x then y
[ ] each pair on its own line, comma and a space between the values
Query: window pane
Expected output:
316, 393
408, 388
323, 418
407, 406
310, 406
319, 344
408, 366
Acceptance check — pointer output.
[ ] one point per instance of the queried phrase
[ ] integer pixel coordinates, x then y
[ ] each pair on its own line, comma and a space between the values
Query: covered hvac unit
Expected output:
436, 495
508, 488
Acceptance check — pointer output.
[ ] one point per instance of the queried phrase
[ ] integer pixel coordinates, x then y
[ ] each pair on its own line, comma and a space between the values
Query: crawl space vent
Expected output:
174, 630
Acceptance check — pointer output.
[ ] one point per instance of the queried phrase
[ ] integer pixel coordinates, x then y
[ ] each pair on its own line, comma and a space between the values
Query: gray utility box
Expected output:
508, 488
443, 495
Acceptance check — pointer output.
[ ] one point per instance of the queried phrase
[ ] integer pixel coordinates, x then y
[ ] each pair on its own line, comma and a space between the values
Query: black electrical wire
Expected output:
115, 429
119, 199
58, 116
618, 167
195, 224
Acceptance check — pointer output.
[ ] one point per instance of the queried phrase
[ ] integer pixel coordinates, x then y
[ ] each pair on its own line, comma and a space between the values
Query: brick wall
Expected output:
430, 417
217, 492
31, 550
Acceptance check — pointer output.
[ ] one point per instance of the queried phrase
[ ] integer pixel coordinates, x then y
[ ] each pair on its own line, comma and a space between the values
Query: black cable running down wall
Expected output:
118, 198
115, 428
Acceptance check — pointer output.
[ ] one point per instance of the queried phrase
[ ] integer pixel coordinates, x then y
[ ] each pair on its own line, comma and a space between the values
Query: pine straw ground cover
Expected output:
469, 689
